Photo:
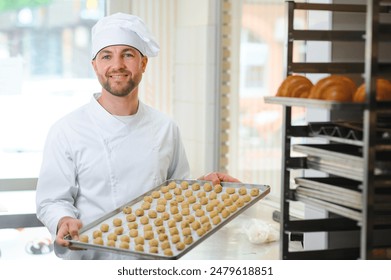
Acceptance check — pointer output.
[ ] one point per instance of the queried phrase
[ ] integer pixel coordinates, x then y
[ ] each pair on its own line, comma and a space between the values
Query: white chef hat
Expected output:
123, 29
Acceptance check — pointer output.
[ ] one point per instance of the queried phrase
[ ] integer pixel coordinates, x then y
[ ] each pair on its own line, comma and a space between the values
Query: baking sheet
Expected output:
88, 230
340, 159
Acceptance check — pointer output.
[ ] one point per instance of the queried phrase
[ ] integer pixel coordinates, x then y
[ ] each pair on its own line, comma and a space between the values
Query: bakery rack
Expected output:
356, 160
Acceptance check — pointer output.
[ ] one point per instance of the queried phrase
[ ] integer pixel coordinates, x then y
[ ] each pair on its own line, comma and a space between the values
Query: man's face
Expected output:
119, 69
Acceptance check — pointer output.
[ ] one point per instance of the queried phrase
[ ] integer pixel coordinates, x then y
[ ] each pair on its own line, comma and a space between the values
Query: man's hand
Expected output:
68, 225
217, 178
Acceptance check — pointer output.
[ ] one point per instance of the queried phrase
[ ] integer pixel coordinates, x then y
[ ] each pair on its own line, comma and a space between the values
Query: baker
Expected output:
113, 149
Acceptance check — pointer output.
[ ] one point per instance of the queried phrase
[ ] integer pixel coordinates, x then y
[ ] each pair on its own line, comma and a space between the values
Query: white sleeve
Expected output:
179, 167
57, 187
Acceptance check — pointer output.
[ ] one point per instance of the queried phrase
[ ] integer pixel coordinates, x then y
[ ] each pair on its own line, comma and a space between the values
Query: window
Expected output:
45, 72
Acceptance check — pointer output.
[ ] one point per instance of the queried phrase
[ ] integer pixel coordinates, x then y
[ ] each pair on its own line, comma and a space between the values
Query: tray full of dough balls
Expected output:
170, 220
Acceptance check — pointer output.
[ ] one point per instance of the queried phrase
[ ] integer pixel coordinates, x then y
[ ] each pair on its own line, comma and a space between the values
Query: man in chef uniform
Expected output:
113, 149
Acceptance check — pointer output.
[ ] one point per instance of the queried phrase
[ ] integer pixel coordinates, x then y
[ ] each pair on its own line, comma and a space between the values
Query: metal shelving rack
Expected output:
374, 219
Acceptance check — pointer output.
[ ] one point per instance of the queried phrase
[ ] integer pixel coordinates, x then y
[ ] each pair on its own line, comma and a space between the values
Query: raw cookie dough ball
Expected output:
204, 219
218, 188
234, 197
200, 232
164, 189
254, 192
124, 238
195, 225
155, 194
160, 208
174, 210
104, 227
168, 196
146, 205
152, 214
216, 220
163, 237
186, 231
192, 199
147, 227
175, 238
173, 203
233, 208
172, 185
112, 236
144, 220
185, 211
132, 225
178, 217
224, 196
161, 229
230, 190
148, 235
153, 243
195, 187
119, 230
139, 212
180, 246
83, 238
131, 217
239, 202
200, 213
139, 240
207, 226
204, 200
171, 223
247, 198
212, 195
201, 194
111, 243
127, 210
179, 198
133, 233
168, 252
184, 185
213, 213
188, 240
209, 207
228, 202
124, 245
165, 216
165, 245
188, 193
154, 250
158, 222
177, 191
185, 224
148, 199
98, 241
196, 206
161, 201
225, 213
207, 187
173, 231
242, 190
139, 248
190, 218
96, 233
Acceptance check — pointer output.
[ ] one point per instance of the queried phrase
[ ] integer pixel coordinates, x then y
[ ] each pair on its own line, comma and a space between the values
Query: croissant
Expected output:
383, 91
295, 86
336, 88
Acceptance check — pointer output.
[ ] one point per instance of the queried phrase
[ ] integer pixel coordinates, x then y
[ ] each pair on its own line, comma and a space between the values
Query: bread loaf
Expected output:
295, 86
383, 91
336, 88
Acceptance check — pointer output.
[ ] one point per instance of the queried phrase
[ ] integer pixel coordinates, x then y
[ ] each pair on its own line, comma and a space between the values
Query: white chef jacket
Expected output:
94, 163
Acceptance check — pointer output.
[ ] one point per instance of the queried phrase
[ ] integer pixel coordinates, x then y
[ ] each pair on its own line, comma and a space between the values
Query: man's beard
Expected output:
120, 92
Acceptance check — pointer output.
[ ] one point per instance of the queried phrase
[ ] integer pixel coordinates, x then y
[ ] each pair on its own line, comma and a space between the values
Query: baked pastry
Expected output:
131, 217
124, 245
111, 243
168, 252
104, 227
83, 238
139, 240
154, 250
172, 185
335, 88
148, 235
127, 210
144, 220
180, 246
132, 225
153, 243
139, 247
119, 230
383, 91
97, 233
124, 238
112, 236
98, 241
295, 86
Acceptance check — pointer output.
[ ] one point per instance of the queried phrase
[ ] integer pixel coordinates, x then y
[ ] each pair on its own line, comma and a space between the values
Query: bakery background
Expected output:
219, 60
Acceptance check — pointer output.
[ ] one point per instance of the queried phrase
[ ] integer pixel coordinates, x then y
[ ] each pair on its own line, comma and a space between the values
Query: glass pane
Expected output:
262, 66
45, 72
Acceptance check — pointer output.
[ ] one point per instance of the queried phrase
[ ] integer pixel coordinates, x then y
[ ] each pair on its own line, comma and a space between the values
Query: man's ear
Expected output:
144, 63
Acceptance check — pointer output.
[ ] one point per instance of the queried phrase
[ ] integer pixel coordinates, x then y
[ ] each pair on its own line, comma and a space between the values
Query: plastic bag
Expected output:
259, 232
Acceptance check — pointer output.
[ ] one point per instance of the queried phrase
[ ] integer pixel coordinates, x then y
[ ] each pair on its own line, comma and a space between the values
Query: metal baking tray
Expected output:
340, 159
382, 107
336, 190
263, 190
314, 103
